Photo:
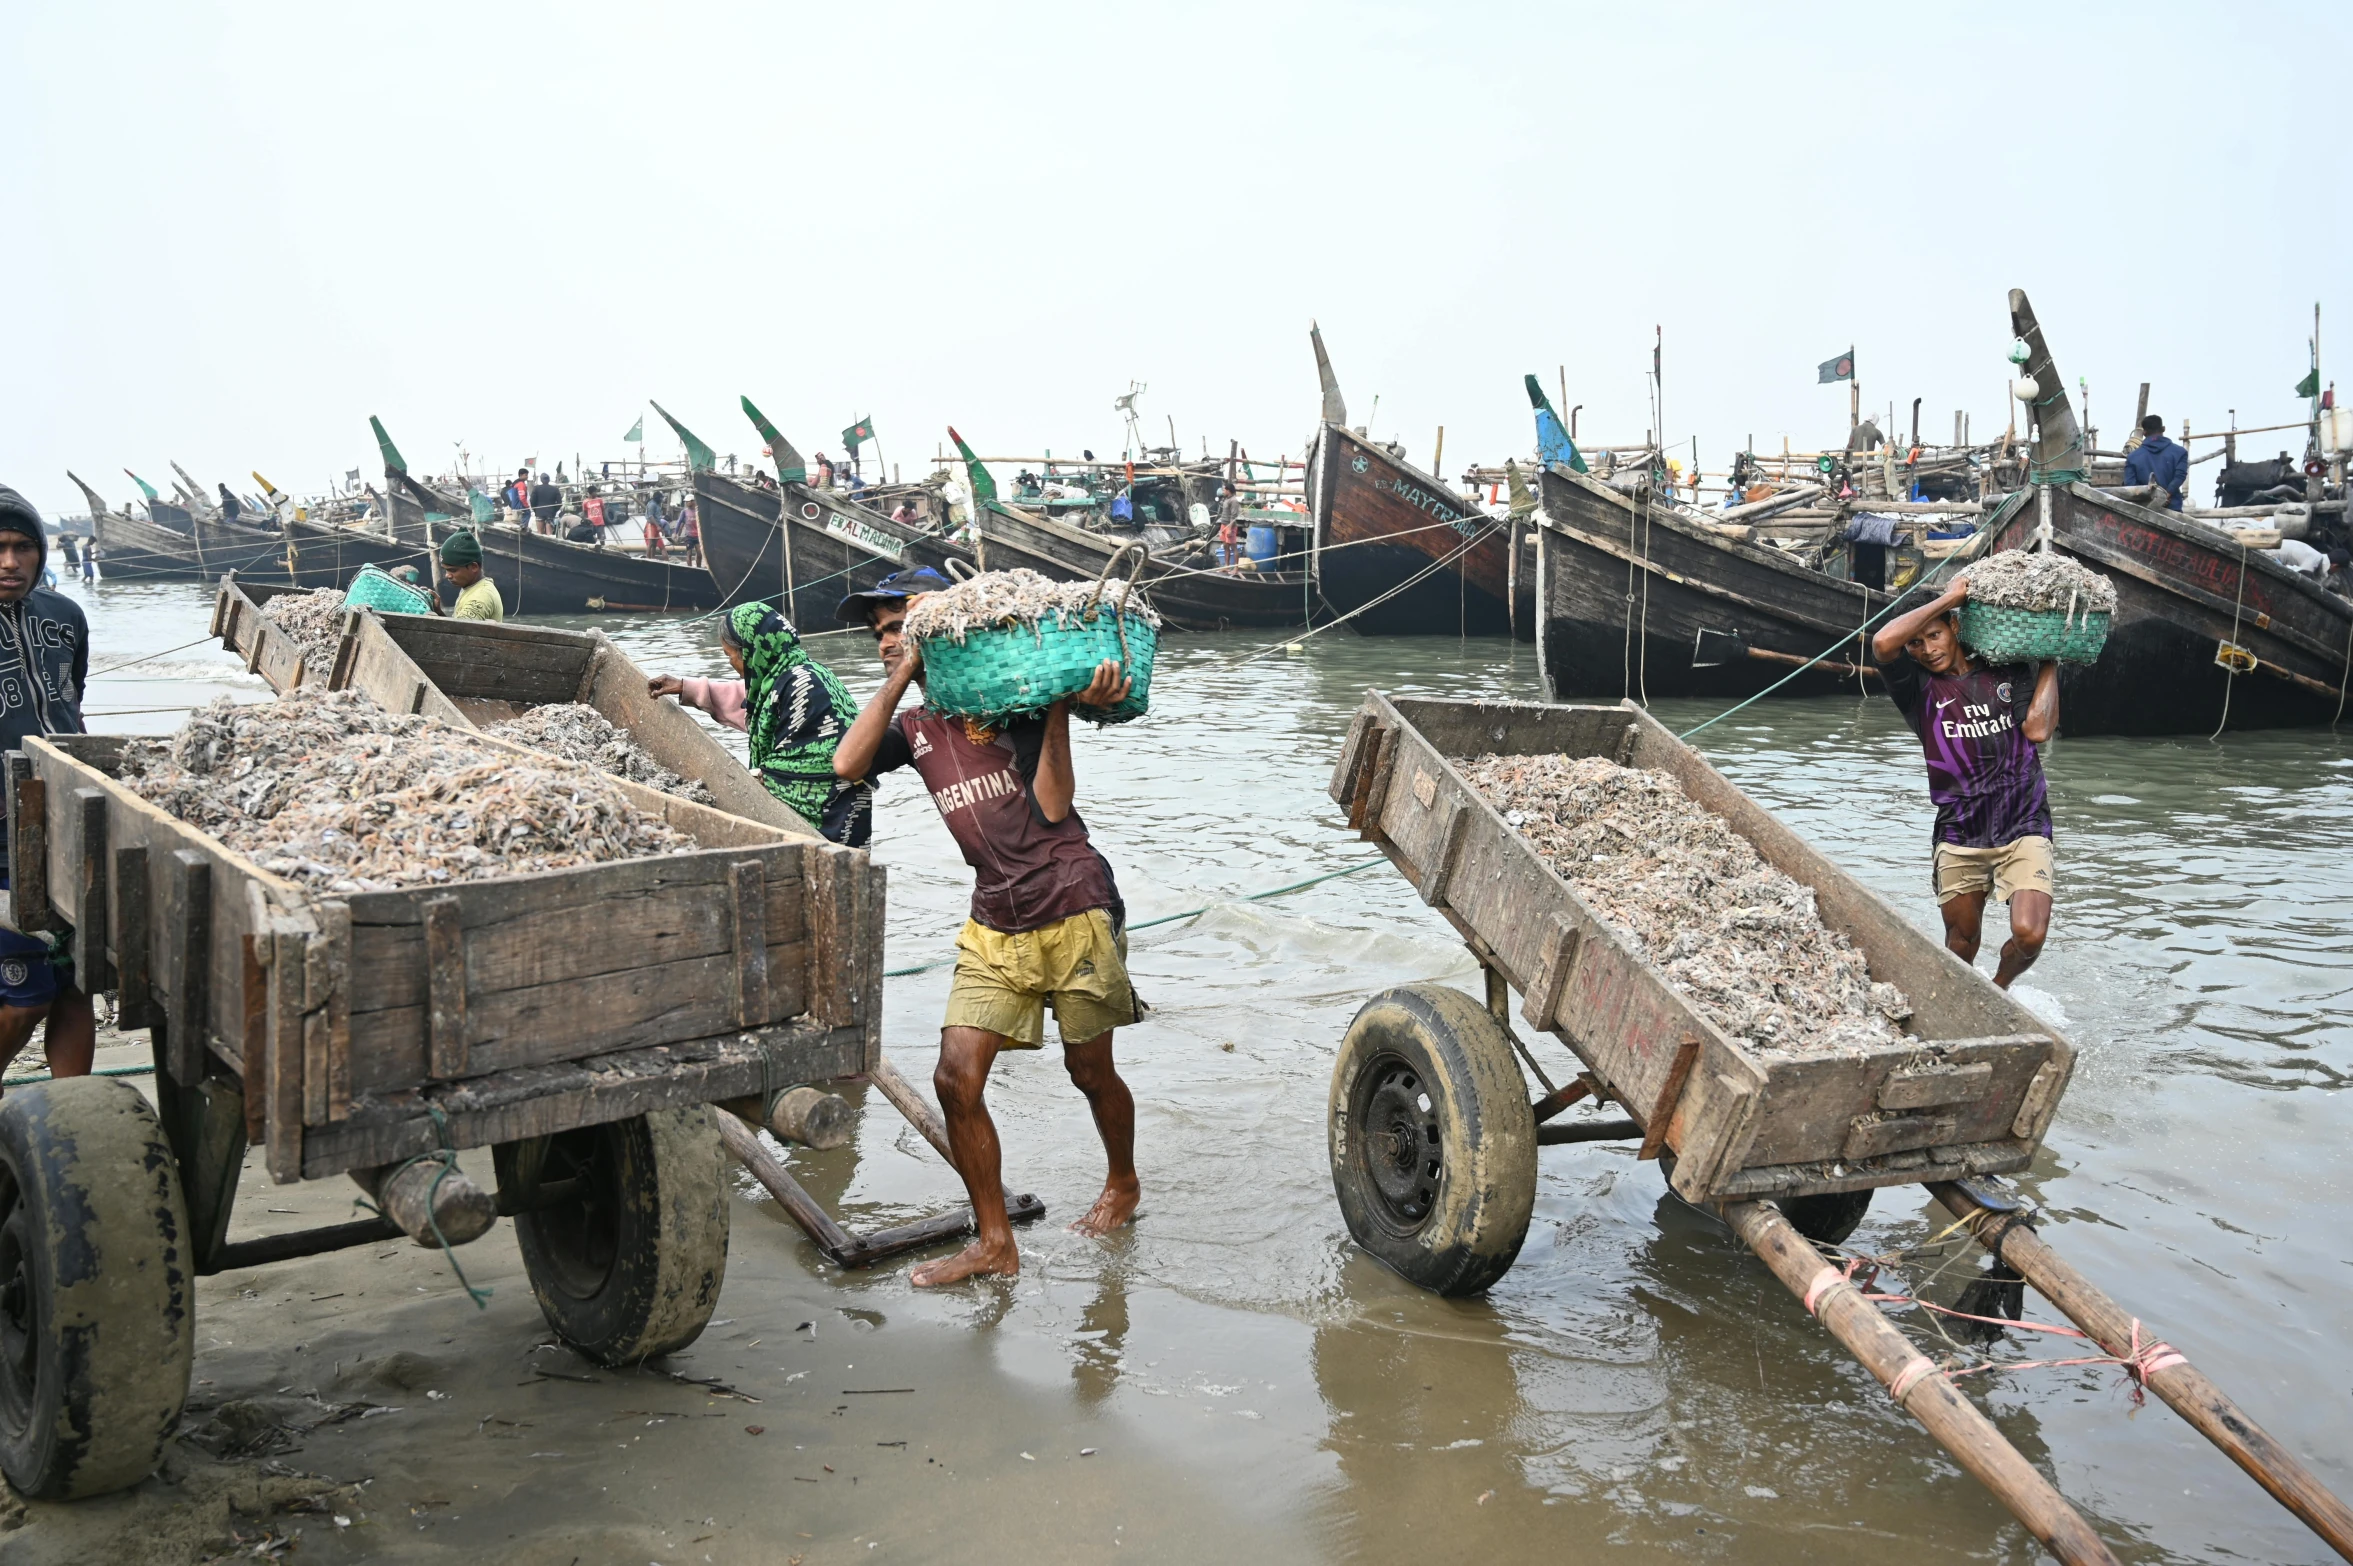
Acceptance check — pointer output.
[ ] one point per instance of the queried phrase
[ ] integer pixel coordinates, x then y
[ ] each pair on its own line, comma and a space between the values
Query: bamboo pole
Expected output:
2184, 1388
1913, 1383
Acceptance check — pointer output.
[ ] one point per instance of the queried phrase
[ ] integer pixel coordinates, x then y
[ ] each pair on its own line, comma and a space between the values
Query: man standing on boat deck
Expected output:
44, 663
546, 501
461, 562
1047, 924
1980, 729
2159, 461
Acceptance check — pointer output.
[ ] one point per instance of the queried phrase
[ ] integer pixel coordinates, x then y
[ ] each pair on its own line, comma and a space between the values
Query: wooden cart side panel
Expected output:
570, 963
380, 668
541, 1100
1832, 1108
264, 645
1950, 1001
466, 659
1462, 729
232, 885
688, 998
615, 687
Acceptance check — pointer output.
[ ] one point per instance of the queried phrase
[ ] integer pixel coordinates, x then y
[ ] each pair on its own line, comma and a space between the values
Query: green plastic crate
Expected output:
2005, 635
376, 588
1011, 671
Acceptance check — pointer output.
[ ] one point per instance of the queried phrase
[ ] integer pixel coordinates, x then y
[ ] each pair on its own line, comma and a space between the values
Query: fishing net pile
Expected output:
1741, 941
315, 621
330, 791
577, 732
2033, 579
996, 598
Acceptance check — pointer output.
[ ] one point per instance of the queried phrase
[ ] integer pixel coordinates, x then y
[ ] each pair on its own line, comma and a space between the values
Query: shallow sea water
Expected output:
1637, 1379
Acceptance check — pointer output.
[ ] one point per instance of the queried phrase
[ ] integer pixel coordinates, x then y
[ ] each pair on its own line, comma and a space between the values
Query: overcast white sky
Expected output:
236, 230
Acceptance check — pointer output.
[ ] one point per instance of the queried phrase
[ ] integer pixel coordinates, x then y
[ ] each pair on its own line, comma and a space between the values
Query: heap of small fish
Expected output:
577, 732
1741, 940
996, 598
315, 621
328, 790
2034, 579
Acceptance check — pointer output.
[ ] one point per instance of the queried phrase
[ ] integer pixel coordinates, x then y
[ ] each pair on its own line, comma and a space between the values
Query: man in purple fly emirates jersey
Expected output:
1047, 924
1979, 729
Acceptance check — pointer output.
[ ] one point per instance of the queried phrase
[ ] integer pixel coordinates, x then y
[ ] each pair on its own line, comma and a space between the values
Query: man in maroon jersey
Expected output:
1047, 924
1981, 732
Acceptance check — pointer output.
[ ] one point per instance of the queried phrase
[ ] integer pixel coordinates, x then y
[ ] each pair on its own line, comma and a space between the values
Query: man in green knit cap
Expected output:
461, 562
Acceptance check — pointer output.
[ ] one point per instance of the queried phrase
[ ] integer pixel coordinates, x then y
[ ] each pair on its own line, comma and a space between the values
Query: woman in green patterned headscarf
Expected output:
795, 711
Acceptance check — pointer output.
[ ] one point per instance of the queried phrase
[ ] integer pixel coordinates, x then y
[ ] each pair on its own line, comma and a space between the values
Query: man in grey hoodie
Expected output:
44, 661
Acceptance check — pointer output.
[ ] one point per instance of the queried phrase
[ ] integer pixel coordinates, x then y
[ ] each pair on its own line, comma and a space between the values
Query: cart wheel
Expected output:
628, 1264
97, 1320
1827, 1219
1433, 1145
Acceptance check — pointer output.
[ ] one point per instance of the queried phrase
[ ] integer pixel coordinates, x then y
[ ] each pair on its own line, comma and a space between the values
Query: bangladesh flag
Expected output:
1841, 368
858, 435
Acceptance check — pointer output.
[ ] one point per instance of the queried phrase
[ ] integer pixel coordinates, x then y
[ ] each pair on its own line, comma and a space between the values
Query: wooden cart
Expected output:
1433, 1137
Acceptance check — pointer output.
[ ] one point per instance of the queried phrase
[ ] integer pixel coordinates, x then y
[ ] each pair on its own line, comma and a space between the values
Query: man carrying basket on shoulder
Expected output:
1980, 729
1047, 925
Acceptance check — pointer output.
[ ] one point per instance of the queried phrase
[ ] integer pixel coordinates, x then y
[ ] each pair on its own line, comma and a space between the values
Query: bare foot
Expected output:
979, 1259
1113, 1208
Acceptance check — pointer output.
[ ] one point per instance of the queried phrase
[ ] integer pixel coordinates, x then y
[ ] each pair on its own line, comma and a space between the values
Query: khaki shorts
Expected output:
1004, 981
2021, 866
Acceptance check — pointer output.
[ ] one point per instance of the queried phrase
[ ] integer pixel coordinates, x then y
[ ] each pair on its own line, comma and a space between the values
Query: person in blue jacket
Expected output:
44, 663
2159, 461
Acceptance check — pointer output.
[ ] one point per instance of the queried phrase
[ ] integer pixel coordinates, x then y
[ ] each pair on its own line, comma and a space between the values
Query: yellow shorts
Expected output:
2021, 866
1004, 981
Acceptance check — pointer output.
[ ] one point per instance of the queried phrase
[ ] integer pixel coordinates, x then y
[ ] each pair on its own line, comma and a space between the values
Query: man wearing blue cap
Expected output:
44, 662
1047, 926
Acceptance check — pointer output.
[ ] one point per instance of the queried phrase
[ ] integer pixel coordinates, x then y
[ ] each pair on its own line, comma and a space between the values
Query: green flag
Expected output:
637, 430
789, 467
1841, 368
699, 457
858, 435
143, 484
2309, 386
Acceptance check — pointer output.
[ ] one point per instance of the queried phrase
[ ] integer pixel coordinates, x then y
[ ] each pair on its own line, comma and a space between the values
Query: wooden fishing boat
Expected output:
1396, 550
2209, 633
538, 573
1190, 597
795, 546
1636, 599
136, 549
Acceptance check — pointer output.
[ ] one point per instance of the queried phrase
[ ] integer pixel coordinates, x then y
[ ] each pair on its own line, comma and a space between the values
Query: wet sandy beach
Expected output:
1249, 1385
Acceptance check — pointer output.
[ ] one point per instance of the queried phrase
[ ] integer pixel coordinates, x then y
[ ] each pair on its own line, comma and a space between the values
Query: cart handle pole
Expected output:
1912, 1382
2157, 1366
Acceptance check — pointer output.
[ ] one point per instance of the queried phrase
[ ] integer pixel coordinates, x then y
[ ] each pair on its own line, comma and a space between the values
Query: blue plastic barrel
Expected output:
1261, 544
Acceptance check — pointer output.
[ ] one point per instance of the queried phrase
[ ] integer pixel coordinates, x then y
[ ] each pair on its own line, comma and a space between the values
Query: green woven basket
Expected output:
1011, 671
2005, 635
375, 588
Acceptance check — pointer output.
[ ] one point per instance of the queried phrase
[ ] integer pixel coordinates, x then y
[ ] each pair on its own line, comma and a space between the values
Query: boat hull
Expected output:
134, 550
1389, 548
756, 552
2183, 588
1188, 599
1623, 599
537, 573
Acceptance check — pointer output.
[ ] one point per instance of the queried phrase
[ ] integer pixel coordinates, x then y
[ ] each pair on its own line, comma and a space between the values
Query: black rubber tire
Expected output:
97, 1294
631, 1266
1827, 1219
1425, 1071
